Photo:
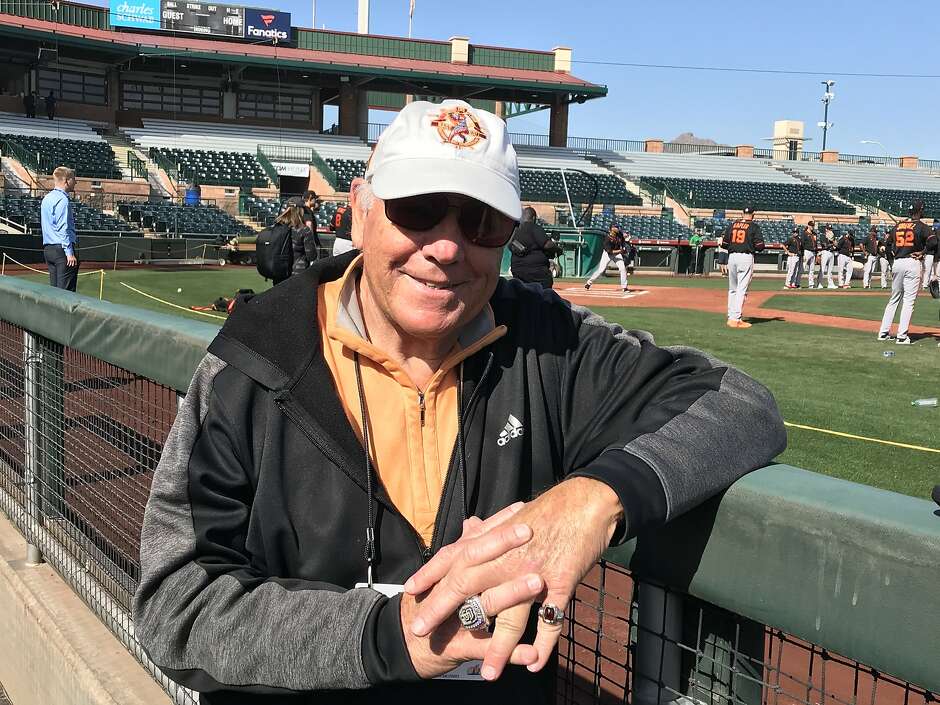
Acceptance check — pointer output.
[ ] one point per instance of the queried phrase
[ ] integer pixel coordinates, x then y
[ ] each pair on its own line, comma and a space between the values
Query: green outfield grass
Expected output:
823, 377
200, 287
827, 378
869, 308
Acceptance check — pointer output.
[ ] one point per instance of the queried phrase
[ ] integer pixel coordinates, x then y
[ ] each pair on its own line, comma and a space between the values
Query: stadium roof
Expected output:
386, 63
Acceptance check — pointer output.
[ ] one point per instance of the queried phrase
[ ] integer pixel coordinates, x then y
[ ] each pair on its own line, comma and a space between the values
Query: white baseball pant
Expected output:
845, 270
809, 264
793, 270
904, 285
740, 270
928, 270
827, 260
884, 268
870, 262
602, 267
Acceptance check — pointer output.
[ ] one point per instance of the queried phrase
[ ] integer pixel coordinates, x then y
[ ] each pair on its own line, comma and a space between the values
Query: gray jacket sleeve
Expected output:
202, 614
665, 428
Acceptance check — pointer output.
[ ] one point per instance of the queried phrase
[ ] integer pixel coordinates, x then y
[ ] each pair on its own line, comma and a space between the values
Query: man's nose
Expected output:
445, 242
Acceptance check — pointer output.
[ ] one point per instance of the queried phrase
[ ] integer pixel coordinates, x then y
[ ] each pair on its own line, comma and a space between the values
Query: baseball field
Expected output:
848, 406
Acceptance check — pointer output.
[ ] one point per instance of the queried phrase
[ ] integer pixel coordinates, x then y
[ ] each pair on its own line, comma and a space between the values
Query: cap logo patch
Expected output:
457, 126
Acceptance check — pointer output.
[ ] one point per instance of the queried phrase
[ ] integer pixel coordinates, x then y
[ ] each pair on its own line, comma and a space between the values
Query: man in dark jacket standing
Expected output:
532, 250
382, 405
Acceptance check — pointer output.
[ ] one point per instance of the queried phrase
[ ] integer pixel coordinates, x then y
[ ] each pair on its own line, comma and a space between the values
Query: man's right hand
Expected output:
71, 260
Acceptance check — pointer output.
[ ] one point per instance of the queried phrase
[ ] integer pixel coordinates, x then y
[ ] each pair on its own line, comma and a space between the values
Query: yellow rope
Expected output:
39, 271
861, 438
168, 303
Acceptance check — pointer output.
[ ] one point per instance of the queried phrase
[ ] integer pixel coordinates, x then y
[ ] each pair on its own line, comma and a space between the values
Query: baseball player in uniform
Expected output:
809, 253
614, 247
907, 240
794, 248
827, 256
742, 239
845, 248
930, 254
885, 261
871, 247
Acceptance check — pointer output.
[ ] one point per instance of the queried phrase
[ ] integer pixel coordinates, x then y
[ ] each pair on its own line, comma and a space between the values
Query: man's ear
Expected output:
358, 215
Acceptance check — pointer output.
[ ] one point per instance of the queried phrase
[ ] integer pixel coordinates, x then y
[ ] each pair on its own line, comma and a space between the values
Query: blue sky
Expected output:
731, 108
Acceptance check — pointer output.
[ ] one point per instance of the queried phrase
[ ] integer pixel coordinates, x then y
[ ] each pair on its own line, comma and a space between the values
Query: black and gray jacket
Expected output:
253, 537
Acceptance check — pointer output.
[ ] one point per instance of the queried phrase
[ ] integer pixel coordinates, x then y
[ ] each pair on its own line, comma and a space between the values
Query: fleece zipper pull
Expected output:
421, 407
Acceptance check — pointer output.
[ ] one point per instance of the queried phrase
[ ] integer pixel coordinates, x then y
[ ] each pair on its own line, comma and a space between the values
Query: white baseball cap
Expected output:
448, 147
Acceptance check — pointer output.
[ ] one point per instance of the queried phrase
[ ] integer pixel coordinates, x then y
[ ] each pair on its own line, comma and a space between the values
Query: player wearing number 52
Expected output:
907, 240
742, 239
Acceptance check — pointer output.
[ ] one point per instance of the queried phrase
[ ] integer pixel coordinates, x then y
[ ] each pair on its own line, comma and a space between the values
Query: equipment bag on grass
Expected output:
273, 252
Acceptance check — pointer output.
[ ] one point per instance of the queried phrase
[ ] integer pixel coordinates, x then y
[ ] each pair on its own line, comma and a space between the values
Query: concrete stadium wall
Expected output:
55, 650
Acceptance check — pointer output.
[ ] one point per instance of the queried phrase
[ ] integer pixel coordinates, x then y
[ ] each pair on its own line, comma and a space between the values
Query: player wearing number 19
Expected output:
907, 240
742, 239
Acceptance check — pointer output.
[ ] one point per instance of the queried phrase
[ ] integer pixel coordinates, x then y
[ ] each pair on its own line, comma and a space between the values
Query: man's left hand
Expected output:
572, 524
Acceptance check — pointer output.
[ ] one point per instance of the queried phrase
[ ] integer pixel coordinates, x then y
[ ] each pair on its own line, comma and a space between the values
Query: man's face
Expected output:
312, 203
426, 284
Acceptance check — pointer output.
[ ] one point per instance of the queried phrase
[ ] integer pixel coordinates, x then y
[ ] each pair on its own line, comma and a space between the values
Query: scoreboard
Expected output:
209, 19
203, 18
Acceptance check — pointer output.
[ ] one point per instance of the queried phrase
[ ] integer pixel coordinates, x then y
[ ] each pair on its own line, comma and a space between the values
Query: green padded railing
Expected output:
267, 166
849, 568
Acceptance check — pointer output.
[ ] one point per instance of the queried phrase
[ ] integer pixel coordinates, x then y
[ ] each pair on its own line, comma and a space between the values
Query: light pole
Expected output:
828, 95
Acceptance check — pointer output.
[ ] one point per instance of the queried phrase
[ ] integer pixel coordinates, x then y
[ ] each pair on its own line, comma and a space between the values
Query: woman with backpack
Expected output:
304, 241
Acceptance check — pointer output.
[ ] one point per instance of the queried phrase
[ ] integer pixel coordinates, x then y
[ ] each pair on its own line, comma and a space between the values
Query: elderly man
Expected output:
337, 516
58, 230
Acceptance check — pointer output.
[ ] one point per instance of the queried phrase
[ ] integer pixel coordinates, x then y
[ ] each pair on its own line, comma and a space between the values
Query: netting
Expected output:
80, 439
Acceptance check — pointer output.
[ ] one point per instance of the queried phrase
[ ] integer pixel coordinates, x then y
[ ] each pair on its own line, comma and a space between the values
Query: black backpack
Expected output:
274, 253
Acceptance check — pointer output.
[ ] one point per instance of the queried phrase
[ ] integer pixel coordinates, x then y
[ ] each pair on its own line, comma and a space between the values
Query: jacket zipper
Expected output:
421, 407
436, 534
301, 423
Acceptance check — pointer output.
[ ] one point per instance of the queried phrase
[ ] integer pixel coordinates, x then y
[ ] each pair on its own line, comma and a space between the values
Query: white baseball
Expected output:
179, 290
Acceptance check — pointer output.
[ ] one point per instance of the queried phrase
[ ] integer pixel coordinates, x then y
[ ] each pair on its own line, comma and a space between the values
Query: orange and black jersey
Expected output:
795, 244
907, 238
846, 245
743, 236
809, 241
871, 244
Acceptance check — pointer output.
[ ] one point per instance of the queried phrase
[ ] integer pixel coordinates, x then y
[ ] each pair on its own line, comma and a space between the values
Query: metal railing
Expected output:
267, 166
775, 593
136, 165
869, 159
723, 150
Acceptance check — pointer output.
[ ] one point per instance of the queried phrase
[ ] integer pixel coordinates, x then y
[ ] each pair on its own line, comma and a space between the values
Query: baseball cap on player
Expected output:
448, 147
748, 209
917, 205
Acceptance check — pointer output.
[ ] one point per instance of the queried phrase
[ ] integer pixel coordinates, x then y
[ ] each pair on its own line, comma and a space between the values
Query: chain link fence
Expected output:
80, 439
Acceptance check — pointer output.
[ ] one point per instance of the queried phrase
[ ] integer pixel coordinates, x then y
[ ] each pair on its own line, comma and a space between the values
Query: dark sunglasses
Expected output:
479, 223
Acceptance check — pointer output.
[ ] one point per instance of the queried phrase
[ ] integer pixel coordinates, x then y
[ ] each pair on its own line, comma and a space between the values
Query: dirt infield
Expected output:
716, 301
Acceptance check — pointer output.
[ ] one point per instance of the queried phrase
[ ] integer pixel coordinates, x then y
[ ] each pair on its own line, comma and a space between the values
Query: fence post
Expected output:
52, 412
658, 657
32, 366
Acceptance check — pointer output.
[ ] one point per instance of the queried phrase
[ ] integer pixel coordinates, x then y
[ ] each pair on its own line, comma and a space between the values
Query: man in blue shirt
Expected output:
58, 231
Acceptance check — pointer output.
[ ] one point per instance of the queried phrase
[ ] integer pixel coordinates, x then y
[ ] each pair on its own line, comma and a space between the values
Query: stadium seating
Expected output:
346, 170
93, 160
176, 219
767, 196
211, 168
834, 176
25, 211
643, 227
265, 211
549, 186
61, 142
893, 201
246, 138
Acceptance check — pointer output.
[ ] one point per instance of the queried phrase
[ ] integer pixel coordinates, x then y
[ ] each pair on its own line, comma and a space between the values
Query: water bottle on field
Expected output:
932, 401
